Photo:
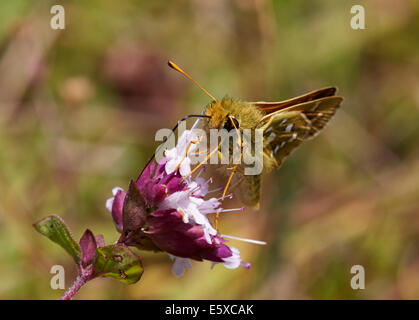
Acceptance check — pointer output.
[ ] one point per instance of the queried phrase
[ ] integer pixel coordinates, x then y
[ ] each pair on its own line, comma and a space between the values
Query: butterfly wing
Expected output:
318, 112
247, 189
283, 132
270, 107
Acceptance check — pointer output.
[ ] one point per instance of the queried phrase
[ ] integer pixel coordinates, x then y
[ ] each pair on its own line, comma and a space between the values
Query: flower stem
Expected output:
80, 281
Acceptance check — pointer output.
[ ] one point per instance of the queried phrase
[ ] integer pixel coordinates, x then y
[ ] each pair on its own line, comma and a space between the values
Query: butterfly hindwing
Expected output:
247, 189
282, 133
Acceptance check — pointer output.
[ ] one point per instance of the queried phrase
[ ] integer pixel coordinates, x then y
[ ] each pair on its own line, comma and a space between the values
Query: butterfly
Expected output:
285, 125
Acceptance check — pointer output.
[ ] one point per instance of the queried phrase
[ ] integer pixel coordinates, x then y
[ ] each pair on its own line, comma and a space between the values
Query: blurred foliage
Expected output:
79, 109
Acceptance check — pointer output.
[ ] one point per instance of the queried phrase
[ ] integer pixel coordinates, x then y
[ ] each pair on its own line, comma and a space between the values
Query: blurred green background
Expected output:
79, 108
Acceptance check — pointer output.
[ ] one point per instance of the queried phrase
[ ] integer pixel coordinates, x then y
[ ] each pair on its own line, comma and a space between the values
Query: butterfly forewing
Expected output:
270, 107
282, 133
318, 112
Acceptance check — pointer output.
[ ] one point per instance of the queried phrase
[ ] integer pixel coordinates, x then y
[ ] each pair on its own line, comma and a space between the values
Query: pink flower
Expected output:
165, 211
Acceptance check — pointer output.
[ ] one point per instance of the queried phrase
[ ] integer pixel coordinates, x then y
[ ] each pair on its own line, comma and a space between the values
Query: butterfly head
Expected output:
223, 115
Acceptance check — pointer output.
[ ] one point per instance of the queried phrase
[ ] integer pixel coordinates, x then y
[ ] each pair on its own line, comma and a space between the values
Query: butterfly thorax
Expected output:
247, 114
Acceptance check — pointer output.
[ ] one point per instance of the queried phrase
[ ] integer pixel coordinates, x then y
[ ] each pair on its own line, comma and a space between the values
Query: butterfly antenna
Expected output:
178, 69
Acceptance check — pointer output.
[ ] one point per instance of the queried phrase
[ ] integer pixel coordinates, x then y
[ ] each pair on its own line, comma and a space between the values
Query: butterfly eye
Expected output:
231, 123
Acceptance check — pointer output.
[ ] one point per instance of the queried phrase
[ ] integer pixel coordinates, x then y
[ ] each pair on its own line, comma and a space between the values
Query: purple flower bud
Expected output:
115, 206
88, 248
100, 241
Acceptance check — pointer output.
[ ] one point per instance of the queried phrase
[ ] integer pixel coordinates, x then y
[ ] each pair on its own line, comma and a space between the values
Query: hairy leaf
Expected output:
54, 228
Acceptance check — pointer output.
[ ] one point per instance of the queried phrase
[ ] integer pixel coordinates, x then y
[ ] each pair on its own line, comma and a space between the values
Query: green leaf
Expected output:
54, 228
118, 262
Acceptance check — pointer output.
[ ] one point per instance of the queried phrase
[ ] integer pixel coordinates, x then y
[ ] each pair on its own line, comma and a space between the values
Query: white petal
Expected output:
185, 167
171, 153
207, 236
211, 230
115, 190
174, 201
180, 265
200, 219
233, 261
171, 166
203, 186
109, 204
196, 201
192, 210
185, 218
192, 185
208, 206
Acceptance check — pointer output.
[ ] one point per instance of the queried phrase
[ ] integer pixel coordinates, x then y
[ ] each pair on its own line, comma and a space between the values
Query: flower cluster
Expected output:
166, 209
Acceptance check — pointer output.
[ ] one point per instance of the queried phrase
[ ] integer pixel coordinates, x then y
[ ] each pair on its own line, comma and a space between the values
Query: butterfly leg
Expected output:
225, 191
236, 184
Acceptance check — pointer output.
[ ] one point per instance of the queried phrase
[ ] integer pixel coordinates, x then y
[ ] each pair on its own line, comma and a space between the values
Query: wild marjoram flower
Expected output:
166, 210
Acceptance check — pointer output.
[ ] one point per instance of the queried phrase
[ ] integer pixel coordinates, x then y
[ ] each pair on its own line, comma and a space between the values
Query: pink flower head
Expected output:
165, 211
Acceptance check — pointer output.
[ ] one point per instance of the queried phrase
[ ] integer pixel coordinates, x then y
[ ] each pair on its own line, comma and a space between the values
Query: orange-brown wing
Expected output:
318, 112
270, 107
283, 132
